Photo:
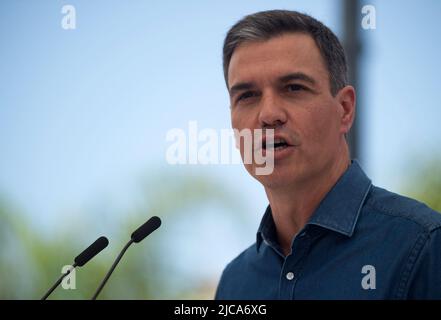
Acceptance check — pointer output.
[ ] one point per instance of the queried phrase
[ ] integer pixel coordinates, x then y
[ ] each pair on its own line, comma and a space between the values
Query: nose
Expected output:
271, 113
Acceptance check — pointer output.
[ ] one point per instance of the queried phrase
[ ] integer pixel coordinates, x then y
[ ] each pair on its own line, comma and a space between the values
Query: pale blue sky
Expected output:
86, 109
84, 112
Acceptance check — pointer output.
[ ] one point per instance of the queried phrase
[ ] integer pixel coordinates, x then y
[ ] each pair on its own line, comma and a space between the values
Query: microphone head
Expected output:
143, 231
91, 251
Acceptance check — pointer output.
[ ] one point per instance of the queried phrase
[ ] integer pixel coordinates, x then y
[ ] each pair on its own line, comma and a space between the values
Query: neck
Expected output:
293, 207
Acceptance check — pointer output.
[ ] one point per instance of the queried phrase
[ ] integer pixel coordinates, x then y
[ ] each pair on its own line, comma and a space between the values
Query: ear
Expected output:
346, 102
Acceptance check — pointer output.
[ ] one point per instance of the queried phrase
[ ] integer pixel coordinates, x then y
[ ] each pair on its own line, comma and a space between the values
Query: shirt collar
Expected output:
267, 228
338, 211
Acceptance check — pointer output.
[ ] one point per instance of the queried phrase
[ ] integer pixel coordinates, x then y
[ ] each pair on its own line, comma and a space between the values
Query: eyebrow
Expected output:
240, 87
297, 76
286, 78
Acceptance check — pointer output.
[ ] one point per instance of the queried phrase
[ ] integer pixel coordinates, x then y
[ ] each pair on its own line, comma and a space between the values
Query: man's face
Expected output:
283, 84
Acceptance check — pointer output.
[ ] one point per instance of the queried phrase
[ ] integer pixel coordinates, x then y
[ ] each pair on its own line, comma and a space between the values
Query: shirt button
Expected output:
290, 276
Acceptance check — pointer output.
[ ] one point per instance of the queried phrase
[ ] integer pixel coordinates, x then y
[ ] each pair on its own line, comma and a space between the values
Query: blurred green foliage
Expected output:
31, 260
424, 183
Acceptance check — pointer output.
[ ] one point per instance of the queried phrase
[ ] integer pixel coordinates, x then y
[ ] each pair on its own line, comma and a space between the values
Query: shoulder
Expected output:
233, 272
240, 262
410, 235
403, 210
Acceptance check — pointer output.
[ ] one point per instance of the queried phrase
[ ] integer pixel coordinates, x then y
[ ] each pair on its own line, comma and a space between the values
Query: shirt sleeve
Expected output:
425, 277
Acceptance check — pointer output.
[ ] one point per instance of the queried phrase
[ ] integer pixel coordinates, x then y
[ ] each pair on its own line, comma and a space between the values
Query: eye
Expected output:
295, 87
246, 95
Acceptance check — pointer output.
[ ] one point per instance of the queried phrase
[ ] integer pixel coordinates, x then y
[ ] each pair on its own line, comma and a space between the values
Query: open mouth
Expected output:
278, 144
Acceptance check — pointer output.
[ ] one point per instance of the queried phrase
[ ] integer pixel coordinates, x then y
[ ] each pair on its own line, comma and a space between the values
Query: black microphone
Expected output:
137, 236
143, 231
81, 260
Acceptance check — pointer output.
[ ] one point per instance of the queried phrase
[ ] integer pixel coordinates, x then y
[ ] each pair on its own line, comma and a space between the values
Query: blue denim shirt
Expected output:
362, 242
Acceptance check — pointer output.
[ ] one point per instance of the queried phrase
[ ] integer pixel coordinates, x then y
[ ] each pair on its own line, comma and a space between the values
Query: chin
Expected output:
277, 179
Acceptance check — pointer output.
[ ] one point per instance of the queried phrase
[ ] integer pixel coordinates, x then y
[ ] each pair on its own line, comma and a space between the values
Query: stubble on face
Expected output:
300, 110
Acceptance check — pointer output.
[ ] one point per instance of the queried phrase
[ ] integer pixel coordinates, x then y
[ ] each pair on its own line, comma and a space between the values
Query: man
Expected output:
327, 233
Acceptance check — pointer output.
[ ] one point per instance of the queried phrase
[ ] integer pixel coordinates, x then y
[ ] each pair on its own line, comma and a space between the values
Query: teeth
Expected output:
272, 146
278, 140
268, 145
276, 148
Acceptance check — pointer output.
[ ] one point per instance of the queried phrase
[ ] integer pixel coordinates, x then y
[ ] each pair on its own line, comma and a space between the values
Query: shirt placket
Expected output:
292, 266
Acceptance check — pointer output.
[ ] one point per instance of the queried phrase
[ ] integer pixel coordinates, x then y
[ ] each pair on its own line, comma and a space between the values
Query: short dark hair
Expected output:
265, 25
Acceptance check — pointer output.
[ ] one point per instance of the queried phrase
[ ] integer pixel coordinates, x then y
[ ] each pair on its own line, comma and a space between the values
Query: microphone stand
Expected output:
56, 284
109, 273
